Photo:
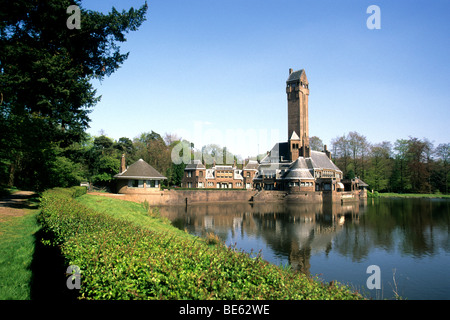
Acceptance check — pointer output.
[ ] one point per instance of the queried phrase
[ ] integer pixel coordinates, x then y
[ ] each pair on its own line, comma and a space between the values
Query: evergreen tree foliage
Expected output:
46, 92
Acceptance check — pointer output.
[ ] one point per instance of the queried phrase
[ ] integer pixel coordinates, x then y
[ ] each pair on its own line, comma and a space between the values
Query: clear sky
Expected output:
214, 71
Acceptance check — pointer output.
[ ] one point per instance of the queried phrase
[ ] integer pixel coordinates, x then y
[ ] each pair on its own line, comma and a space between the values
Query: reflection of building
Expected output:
291, 231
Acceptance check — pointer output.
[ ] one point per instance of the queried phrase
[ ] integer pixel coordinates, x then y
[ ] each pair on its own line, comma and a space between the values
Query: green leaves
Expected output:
45, 79
121, 260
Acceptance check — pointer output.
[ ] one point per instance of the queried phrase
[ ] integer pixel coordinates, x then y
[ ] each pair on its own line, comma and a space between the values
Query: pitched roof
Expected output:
140, 170
196, 164
361, 183
279, 151
295, 76
320, 160
252, 165
294, 136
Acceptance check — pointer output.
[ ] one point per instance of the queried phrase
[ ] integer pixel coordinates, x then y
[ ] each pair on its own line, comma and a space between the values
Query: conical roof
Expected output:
140, 170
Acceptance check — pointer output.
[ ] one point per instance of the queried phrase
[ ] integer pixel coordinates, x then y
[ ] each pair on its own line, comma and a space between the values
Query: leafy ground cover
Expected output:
126, 252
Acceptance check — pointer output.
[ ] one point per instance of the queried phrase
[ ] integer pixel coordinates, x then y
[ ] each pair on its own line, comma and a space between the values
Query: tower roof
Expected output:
296, 75
294, 136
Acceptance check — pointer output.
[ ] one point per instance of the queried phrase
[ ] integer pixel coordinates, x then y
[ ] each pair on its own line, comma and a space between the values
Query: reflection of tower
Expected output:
299, 258
297, 90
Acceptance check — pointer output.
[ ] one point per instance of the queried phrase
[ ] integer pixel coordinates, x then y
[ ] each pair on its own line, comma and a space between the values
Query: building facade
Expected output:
196, 175
140, 177
290, 166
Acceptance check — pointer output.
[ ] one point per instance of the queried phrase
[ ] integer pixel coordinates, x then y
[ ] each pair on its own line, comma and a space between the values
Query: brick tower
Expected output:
297, 90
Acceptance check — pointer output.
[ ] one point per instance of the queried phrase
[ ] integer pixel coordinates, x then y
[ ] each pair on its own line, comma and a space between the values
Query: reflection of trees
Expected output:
411, 226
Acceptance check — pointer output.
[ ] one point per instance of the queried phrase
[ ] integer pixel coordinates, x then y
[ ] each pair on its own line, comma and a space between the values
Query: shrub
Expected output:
121, 260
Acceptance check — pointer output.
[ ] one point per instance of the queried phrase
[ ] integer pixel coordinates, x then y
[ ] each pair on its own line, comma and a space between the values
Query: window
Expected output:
135, 183
200, 174
248, 174
189, 174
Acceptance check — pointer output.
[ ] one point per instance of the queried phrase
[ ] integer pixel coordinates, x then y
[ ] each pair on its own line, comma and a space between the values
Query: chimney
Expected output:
122, 164
328, 153
290, 71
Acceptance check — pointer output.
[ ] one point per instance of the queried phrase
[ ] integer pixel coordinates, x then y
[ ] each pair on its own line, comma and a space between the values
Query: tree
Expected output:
341, 153
380, 166
316, 143
358, 147
400, 177
104, 161
442, 170
46, 71
151, 147
419, 158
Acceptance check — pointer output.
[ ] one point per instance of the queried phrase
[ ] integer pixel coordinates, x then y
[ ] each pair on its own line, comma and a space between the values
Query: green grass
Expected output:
16, 254
413, 195
133, 212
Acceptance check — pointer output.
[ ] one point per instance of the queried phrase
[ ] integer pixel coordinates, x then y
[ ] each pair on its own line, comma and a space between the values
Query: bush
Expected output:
375, 194
120, 260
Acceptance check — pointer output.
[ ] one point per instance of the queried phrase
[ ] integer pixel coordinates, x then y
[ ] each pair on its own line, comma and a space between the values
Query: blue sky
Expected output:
215, 71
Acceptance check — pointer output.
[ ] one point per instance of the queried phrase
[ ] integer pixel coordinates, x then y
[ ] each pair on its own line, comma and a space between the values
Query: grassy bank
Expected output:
17, 244
125, 251
408, 195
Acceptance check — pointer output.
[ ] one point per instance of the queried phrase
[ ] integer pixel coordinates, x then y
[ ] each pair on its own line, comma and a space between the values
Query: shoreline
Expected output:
412, 195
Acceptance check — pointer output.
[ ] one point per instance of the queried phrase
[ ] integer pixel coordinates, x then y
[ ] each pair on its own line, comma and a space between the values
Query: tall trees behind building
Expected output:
97, 159
407, 165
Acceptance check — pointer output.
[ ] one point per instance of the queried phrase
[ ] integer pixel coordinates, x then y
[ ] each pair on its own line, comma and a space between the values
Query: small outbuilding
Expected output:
140, 177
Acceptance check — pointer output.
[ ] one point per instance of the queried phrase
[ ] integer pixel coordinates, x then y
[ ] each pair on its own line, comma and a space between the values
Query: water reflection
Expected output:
291, 231
333, 239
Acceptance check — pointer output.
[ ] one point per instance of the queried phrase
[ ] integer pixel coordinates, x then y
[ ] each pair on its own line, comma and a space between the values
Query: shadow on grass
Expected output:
49, 277
20, 201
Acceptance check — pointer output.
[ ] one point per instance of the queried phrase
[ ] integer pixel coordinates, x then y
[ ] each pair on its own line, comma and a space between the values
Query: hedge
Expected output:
120, 260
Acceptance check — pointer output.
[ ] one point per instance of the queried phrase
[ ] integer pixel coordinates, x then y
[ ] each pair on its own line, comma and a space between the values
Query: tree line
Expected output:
407, 165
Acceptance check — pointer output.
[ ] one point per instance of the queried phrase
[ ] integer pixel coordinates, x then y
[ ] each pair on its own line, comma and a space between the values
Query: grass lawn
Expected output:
130, 211
413, 195
17, 244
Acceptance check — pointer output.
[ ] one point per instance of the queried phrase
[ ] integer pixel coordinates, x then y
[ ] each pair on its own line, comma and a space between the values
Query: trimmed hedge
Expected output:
120, 260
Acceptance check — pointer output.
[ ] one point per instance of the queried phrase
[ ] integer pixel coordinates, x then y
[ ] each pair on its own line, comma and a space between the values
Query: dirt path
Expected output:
16, 205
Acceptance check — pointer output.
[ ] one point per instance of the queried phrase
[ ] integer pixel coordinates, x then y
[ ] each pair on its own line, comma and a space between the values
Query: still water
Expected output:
409, 239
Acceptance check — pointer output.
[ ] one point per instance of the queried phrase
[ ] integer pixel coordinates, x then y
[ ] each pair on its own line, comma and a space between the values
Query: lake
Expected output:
408, 239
